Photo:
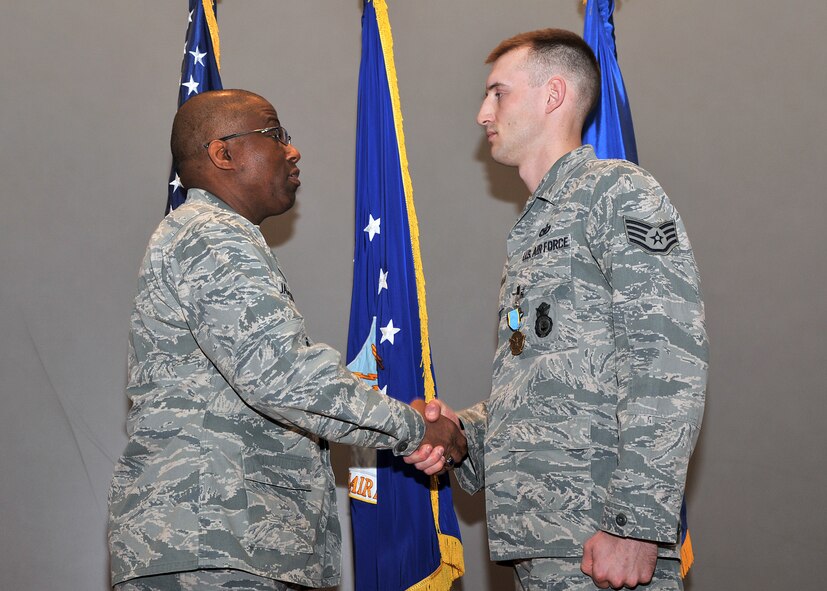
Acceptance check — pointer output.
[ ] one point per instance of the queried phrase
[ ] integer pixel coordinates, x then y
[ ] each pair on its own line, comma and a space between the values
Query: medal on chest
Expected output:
517, 340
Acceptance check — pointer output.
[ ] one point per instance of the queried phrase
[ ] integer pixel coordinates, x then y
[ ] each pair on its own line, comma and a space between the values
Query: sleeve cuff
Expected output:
638, 523
416, 430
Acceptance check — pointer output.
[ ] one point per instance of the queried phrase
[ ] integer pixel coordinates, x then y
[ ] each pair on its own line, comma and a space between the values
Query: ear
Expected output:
555, 93
220, 155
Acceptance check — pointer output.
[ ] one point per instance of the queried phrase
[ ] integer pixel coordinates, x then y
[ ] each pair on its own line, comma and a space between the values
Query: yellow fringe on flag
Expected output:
453, 562
212, 24
687, 555
390, 68
452, 567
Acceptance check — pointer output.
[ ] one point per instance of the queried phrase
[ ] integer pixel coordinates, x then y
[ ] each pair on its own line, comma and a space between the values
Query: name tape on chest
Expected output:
550, 245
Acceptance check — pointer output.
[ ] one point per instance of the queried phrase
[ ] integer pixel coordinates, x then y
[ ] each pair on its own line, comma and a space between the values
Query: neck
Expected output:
533, 171
563, 132
229, 195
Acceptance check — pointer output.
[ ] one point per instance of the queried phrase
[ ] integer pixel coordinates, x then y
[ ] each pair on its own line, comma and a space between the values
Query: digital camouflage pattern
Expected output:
227, 464
591, 424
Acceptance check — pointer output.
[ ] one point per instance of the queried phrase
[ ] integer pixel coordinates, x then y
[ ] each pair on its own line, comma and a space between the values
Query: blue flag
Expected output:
609, 130
406, 534
199, 72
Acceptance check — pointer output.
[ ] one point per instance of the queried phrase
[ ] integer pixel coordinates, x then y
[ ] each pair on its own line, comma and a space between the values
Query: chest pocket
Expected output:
543, 289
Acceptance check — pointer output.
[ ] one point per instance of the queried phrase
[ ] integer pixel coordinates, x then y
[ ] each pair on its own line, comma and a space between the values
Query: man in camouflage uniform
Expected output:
600, 371
226, 480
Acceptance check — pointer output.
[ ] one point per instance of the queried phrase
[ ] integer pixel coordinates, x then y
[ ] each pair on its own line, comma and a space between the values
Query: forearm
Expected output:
471, 473
307, 386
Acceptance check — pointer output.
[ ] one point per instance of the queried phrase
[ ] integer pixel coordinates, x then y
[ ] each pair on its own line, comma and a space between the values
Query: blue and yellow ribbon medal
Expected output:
517, 340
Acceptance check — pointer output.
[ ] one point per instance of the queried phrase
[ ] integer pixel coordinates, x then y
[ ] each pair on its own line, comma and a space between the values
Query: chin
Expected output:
288, 205
499, 154
283, 200
503, 159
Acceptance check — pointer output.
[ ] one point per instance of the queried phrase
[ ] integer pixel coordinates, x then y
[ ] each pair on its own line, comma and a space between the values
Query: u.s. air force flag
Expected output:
610, 131
199, 72
406, 534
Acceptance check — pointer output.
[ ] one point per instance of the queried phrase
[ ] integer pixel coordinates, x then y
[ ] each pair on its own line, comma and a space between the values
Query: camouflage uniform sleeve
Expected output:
661, 349
239, 310
471, 472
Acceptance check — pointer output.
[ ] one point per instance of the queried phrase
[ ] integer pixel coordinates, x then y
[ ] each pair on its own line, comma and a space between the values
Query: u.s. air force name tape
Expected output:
363, 484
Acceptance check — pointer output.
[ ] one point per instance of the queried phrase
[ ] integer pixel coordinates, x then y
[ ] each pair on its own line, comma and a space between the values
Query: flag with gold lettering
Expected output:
610, 131
405, 532
199, 72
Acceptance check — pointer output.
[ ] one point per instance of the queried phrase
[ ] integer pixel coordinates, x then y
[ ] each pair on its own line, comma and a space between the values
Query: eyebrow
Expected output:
271, 116
494, 85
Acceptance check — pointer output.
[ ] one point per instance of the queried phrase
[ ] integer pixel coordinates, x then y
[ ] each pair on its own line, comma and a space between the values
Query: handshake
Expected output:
444, 445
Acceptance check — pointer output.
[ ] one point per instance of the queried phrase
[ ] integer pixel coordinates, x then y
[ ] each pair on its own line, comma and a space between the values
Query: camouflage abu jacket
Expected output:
600, 372
227, 464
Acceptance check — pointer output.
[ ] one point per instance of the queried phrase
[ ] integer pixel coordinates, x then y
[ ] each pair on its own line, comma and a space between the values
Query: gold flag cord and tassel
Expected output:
453, 565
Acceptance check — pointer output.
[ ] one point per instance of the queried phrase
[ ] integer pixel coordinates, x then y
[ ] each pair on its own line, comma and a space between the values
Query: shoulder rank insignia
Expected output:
660, 239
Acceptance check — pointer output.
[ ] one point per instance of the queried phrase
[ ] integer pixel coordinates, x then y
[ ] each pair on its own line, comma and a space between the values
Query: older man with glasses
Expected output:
226, 480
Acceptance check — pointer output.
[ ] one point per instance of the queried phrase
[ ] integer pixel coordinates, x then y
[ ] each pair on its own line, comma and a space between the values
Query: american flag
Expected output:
199, 72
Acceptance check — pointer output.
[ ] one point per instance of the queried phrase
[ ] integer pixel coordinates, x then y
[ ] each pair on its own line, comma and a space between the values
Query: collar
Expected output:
558, 174
561, 171
204, 196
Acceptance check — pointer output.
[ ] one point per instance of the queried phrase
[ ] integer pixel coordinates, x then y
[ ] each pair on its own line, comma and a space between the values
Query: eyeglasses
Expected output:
278, 134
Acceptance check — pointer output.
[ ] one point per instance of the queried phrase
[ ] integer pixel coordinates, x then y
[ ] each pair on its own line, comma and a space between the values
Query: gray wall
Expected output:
728, 101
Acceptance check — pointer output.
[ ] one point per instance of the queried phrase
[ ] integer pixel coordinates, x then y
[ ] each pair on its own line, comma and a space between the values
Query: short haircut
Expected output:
205, 117
555, 51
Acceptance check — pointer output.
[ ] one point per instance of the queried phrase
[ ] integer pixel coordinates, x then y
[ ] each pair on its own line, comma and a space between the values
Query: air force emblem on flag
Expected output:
659, 239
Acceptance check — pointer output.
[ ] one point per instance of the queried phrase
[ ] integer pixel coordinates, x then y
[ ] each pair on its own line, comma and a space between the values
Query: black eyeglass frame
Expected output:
281, 135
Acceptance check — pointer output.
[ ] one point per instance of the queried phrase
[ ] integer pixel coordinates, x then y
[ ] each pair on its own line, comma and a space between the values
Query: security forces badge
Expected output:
543, 324
656, 239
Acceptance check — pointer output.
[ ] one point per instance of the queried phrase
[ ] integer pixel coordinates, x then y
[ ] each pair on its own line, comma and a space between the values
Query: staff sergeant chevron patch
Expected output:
659, 239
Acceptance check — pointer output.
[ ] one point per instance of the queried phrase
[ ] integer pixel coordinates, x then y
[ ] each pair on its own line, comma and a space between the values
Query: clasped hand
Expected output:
444, 445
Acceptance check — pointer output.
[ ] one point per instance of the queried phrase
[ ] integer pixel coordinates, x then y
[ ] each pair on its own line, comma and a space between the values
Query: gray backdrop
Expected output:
728, 101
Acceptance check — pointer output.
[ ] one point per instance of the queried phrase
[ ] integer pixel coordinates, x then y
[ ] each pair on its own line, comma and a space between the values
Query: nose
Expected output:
484, 116
293, 154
